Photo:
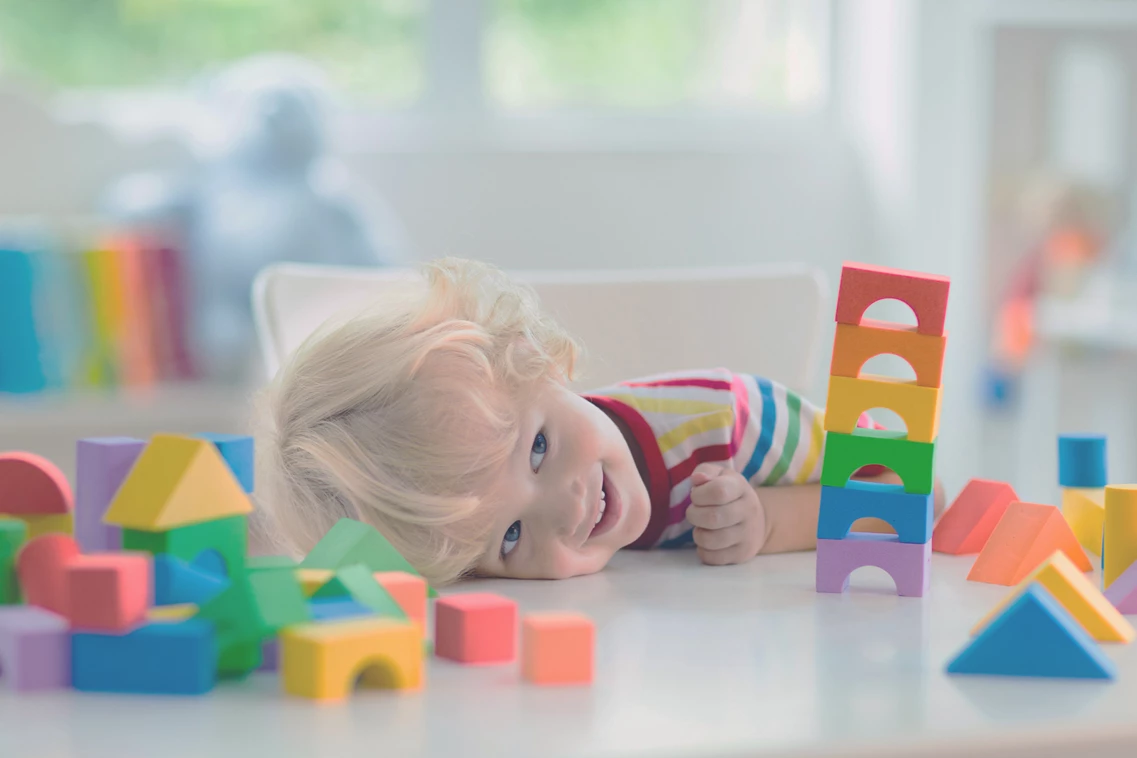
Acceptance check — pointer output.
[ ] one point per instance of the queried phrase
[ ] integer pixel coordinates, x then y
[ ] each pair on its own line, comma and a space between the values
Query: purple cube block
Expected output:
907, 563
102, 464
35, 649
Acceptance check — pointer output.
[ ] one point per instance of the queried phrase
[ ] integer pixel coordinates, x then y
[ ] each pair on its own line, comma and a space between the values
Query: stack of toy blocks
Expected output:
908, 507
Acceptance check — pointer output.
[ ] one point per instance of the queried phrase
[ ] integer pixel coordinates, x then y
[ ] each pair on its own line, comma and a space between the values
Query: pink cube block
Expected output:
475, 628
110, 591
35, 649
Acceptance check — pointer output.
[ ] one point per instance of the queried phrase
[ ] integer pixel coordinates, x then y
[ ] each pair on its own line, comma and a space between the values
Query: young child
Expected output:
443, 418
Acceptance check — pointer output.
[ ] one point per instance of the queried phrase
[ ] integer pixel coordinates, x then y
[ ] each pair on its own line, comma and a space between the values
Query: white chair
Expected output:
763, 319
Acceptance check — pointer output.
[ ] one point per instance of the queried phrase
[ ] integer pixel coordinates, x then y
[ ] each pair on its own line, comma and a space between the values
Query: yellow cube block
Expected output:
1084, 510
849, 398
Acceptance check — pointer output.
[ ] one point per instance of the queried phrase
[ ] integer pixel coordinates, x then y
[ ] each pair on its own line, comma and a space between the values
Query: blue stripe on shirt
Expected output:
684, 539
766, 438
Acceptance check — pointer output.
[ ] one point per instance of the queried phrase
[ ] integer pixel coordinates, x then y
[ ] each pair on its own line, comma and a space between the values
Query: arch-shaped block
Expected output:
906, 563
323, 661
910, 515
31, 485
849, 398
845, 454
853, 346
863, 284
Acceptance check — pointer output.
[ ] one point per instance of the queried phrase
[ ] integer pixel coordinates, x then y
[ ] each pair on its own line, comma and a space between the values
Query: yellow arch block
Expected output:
1084, 510
323, 661
849, 398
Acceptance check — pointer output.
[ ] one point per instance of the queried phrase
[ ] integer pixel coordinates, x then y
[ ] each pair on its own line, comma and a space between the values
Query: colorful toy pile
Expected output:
156, 592
907, 508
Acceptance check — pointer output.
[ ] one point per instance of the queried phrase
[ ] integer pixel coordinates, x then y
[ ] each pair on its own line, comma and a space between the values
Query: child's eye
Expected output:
540, 445
512, 537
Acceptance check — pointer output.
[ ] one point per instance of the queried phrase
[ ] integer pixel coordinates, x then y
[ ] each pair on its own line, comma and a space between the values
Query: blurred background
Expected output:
154, 154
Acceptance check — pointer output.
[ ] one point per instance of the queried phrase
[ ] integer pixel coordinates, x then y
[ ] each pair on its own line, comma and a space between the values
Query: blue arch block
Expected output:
910, 515
1081, 460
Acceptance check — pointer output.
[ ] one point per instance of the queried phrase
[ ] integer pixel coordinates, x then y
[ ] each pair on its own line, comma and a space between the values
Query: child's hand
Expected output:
729, 521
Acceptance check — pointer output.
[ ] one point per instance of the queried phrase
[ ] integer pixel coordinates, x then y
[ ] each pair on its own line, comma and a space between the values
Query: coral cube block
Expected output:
557, 648
109, 592
41, 566
475, 628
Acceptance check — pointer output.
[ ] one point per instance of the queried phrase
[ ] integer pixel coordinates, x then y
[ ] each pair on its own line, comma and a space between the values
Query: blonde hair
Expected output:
401, 417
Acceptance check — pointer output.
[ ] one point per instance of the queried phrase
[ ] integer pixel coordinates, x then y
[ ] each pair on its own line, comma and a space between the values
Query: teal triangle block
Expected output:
1035, 636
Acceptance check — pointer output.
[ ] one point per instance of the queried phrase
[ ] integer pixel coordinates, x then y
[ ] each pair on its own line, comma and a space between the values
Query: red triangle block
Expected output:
966, 526
1024, 538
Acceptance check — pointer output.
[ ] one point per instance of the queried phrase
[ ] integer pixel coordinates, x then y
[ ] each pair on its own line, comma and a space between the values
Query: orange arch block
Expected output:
853, 346
849, 398
863, 284
1024, 538
31, 485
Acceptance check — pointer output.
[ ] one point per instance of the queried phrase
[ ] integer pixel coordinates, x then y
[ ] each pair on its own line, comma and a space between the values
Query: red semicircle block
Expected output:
31, 485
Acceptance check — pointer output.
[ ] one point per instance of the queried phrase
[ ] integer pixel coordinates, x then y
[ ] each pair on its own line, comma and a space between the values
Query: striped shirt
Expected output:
770, 434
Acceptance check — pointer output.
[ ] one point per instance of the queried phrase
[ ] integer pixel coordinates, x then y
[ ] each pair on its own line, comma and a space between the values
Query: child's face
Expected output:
548, 499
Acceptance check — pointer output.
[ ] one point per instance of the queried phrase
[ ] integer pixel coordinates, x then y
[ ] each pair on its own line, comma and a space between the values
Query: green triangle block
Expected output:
358, 583
349, 542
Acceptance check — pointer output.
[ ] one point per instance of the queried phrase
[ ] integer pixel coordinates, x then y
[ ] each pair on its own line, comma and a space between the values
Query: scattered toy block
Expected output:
845, 454
557, 648
849, 398
108, 592
475, 628
1024, 538
323, 661
965, 527
237, 450
409, 591
1034, 637
1082, 461
176, 482
358, 583
13, 533
42, 569
177, 582
349, 542
1077, 595
227, 538
31, 485
35, 649
156, 659
905, 562
313, 579
853, 346
52, 523
863, 284
1122, 592
1119, 542
101, 466
1084, 510
263, 562
168, 614
330, 608
910, 515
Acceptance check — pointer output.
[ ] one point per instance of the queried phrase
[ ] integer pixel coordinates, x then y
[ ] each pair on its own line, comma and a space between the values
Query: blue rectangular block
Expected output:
326, 609
237, 450
910, 515
156, 659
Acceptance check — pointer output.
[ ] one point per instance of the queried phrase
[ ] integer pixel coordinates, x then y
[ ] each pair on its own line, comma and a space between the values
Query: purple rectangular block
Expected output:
35, 649
101, 465
270, 655
907, 563
1123, 591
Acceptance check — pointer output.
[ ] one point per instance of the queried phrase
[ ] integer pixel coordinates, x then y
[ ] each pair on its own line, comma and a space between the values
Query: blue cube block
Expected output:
156, 659
1081, 460
910, 515
176, 582
237, 450
326, 609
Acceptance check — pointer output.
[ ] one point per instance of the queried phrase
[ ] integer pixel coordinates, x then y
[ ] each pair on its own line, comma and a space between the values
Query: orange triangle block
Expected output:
177, 481
1027, 535
1077, 595
966, 526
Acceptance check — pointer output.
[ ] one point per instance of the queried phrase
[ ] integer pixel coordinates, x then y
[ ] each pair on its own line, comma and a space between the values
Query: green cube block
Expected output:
227, 536
349, 542
913, 462
13, 532
358, 583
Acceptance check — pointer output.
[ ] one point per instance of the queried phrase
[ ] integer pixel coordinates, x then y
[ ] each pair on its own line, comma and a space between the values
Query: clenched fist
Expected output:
729, 521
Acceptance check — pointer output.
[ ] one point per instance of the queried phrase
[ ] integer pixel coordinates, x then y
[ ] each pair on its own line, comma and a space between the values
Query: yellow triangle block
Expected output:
1084, 510
177, 481
1077, 595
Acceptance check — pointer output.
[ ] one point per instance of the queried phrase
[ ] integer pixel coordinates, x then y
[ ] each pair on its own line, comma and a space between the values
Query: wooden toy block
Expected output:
349, 542
409, 591
262, 562
176, 482
1077, 595
237, 450
108, 592
1024, 538
358, 583
863, 284
1122, 592
177, 582
13, 532
910, 515
853, 346
41, 566
1034, 637
966, 525
324, 661
35, 649
169, 614
155, 659
905, 562
1082, 461
845, 454
227, 537
557, 648
31, 485
330, 608
313, 579
475, 628
1119, 545
53, 523
1084, 510
849, 398
101, 466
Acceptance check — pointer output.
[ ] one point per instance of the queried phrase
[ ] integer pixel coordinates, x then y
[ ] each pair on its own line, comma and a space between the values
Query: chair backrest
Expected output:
762, 319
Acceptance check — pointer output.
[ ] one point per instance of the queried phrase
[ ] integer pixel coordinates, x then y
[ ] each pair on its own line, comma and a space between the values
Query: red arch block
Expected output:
863, 284
31, 485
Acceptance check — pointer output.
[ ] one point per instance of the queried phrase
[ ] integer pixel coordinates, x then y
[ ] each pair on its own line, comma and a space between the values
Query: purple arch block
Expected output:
906, 563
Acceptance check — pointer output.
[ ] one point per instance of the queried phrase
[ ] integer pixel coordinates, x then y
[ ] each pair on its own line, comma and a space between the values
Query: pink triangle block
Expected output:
1123, 591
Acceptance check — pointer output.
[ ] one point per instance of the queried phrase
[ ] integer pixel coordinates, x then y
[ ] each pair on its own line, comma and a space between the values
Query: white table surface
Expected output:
691, 660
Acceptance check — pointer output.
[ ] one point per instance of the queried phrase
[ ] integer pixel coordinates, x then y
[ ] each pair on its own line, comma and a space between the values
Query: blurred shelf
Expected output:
1059, 14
